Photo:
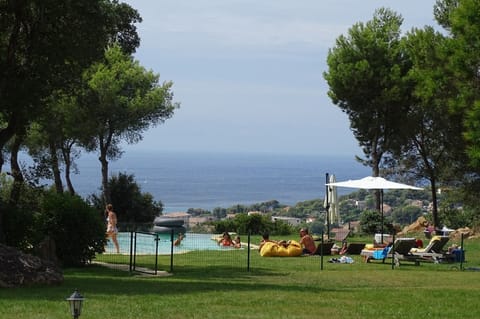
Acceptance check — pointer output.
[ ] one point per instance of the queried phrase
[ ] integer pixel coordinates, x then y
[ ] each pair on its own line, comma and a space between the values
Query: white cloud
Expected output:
249, 73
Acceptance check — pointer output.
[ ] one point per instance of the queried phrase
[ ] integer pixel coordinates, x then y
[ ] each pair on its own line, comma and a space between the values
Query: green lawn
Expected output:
220, 287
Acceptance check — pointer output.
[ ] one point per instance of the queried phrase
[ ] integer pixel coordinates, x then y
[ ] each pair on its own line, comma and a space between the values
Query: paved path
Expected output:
140, 271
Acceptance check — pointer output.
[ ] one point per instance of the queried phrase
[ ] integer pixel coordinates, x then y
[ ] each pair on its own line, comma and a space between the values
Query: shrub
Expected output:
129, 203
77, 229
371, 223
17, 222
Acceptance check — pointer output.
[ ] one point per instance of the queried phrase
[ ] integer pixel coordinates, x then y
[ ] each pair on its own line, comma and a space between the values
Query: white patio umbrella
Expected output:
371, 182
330, 203
332, 195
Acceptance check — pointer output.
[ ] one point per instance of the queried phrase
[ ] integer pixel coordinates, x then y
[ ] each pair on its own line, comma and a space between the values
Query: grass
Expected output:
218, 286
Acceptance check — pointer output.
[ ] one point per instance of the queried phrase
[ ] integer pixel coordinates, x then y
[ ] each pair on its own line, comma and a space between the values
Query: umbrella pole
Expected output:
327, 207
381, 210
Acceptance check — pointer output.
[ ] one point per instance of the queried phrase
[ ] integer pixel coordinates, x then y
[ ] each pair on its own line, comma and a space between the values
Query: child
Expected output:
237, 242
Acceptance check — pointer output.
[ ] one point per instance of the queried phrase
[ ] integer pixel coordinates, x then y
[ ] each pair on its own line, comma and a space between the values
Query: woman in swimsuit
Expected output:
112, 226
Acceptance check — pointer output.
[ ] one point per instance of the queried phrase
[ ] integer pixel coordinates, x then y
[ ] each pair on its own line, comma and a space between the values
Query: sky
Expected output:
249, 74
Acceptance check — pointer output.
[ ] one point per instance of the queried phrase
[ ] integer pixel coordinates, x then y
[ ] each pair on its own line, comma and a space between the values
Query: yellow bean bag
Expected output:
271, 249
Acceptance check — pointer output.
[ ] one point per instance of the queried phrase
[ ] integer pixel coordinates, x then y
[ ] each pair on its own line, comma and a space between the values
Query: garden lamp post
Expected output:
75, 301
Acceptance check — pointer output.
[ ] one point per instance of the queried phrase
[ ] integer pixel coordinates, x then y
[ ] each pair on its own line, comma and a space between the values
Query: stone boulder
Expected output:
466, 232
20, 269
418, 225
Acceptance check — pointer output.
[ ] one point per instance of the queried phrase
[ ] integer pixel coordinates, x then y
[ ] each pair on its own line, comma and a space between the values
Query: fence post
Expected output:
134, 250
248, 251
171, 250
392, 249
462, 252
130, 268
156, 252
321, 253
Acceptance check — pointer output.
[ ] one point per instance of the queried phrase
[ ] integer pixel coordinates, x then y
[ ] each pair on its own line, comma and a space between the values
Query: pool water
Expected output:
146, 243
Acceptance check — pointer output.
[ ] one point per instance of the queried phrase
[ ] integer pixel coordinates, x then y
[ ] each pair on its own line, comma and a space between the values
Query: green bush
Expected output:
129, 202
18, 227
77, 229
371, 223
256, 224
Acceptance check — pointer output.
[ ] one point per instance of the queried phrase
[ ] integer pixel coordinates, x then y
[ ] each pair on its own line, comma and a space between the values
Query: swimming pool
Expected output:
146, 243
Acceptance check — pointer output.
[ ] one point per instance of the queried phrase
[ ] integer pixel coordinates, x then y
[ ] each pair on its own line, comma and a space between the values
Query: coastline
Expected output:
183, 180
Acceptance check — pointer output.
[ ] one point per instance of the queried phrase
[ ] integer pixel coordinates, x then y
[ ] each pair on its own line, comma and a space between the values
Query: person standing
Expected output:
112, 229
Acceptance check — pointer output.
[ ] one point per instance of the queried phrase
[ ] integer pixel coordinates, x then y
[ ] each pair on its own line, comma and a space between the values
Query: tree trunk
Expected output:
2, 159
67, 159
16, 172
55, 168
6, 135
436, 221
376, 172
104, 163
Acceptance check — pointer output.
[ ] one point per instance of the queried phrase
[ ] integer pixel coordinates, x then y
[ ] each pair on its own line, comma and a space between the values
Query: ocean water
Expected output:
196, 180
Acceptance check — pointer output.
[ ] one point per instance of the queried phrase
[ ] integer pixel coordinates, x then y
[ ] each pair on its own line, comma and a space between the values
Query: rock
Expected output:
418, 225
46, 250
467, 233
20, 269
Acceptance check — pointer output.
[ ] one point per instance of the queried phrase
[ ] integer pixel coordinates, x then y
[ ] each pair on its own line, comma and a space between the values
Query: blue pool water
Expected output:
146, 243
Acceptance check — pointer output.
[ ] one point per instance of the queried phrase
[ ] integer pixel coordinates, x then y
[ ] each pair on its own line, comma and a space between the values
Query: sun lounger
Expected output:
434, 251
326, 250
354, 249
399, 251
340, 234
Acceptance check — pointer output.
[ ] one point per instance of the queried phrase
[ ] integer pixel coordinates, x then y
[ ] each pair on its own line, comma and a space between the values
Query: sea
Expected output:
183, 180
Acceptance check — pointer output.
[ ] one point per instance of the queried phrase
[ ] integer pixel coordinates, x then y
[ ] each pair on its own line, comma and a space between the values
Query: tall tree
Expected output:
122, 101
42, 43
465, 63
462, 21
442, 11
44, 46
52, 140
434, 140
366, 78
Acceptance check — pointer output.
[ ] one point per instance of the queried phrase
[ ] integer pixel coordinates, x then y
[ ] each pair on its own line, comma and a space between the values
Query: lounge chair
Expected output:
340, 234
326, 250
354, 249
434, 251
399, 251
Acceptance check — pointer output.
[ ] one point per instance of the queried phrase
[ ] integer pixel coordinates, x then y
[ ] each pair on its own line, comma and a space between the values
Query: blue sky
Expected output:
248, 74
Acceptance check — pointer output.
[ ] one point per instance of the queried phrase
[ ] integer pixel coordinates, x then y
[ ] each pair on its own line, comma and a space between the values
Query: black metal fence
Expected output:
150, 252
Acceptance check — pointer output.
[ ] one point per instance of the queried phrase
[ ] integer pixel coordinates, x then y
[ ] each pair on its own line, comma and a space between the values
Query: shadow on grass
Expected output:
97, 281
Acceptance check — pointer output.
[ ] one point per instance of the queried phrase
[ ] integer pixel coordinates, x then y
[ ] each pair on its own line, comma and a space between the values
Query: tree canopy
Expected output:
121, 101
366, 80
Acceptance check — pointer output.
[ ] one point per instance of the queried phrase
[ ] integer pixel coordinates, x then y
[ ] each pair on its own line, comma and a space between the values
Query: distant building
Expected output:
310, 220
387, 209
294, 221
354, 226
195, 221
180, 215
417, 203
361, 204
